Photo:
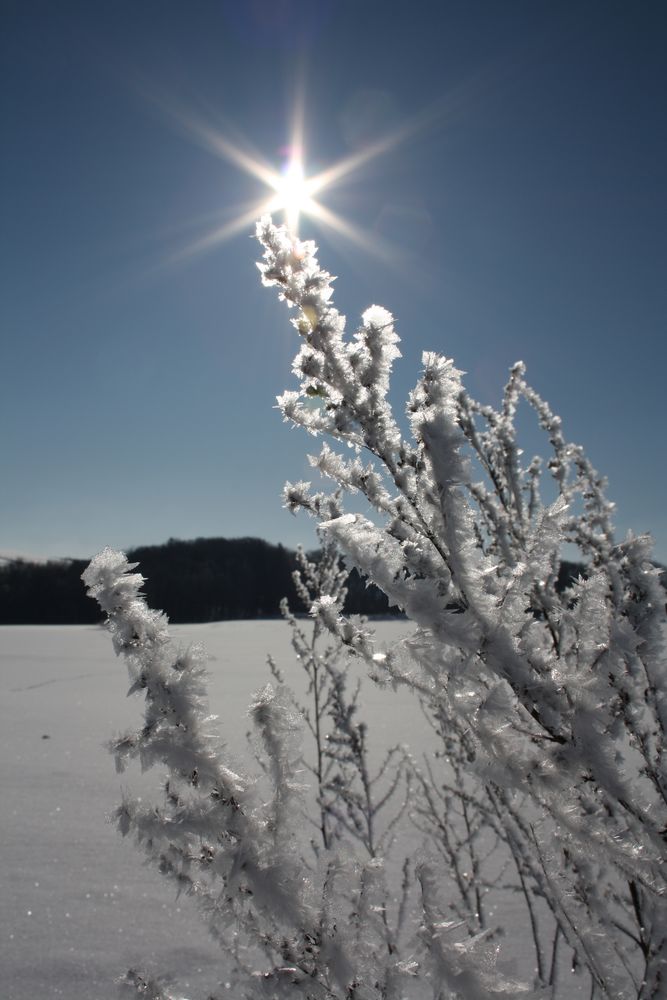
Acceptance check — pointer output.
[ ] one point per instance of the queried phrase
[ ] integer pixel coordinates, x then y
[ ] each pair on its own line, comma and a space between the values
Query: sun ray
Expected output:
220, 234
215, 142
372, 245
291, 191
298, 118
228, 151
378, 147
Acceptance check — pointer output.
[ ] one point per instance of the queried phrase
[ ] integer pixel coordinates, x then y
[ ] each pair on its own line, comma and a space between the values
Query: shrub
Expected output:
549, 698
561, 697
287, 927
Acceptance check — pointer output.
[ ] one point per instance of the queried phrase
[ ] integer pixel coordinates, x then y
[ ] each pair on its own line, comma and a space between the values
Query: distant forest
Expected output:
208, 579
205, 580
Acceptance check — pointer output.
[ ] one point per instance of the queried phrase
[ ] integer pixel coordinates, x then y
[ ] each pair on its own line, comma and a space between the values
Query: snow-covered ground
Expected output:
77, 906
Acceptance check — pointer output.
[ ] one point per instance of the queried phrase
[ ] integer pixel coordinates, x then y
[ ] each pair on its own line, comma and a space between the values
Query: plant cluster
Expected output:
561, 698
291, 922
549, 704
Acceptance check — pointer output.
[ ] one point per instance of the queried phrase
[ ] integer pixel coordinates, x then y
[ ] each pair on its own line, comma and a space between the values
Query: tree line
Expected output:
201, 580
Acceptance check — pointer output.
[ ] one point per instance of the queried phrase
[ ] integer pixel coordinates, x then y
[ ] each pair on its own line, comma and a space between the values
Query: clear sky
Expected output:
523, 215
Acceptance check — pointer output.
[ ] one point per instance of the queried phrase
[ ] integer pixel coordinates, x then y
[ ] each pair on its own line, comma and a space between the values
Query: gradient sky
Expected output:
523, 216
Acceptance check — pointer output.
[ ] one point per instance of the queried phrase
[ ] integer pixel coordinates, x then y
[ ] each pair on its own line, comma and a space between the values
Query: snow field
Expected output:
78, 907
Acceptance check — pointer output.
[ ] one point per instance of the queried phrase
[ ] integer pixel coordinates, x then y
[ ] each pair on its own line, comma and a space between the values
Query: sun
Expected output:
294, 193
290, 189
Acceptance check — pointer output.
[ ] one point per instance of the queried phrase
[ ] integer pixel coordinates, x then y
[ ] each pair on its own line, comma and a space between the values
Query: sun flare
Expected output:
290, 190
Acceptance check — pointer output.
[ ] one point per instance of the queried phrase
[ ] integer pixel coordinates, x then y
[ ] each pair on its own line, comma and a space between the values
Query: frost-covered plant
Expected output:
285, 930
319, 661
353, 801
452, 812
467, 821
563, 695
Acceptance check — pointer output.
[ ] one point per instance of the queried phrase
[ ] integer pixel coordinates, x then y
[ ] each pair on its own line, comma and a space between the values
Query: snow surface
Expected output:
77, 906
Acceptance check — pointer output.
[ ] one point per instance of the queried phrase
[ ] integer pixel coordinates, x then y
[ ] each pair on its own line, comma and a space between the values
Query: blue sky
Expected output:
524, 216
